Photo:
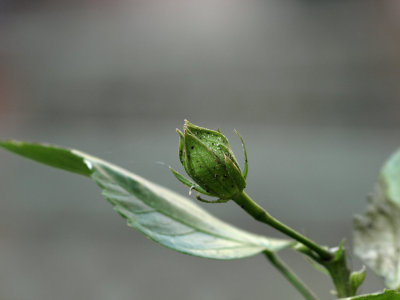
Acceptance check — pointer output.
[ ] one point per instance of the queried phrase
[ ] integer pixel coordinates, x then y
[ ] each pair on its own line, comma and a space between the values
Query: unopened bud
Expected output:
208, 159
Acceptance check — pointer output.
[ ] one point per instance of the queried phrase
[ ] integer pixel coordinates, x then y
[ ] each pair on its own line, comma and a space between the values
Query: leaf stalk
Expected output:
290, 276
261, 215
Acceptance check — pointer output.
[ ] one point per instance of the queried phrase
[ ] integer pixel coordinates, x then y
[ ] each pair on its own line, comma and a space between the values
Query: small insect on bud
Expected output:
208, 159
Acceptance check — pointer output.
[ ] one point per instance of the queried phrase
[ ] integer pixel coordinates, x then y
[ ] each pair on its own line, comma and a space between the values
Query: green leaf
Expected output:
377, 232
48, 154
390, 178
386, 295
163, 215
357, 278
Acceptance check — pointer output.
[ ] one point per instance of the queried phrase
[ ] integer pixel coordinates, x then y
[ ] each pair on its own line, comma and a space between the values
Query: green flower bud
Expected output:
208, 159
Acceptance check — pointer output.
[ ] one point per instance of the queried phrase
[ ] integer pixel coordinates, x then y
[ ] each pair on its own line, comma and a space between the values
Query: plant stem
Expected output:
290, 276
260, 214
340, 274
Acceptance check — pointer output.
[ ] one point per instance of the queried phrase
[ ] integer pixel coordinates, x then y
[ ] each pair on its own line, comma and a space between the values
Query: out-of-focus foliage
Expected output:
377, 232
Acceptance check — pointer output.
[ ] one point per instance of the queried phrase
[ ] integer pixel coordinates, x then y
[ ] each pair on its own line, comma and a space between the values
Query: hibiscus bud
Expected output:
208, 159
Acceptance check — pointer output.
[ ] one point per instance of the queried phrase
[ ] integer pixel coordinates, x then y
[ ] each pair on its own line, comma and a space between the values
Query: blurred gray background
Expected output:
312, 86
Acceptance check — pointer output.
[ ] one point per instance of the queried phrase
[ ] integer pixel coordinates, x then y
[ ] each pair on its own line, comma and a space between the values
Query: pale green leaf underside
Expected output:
386, 295
390, 178
377, 232
161, 214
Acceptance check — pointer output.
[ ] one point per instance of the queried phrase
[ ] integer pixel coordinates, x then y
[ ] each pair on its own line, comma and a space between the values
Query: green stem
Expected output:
340, 274
290, 276
258, 213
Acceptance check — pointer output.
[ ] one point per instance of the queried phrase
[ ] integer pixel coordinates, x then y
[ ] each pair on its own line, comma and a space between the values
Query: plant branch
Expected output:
340, 274
260, 214
290, 276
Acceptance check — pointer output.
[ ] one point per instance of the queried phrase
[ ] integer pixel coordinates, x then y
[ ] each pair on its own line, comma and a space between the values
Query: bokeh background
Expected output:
312, 86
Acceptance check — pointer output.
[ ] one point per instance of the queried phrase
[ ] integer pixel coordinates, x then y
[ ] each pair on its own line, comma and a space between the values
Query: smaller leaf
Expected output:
357, 278
386, 295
